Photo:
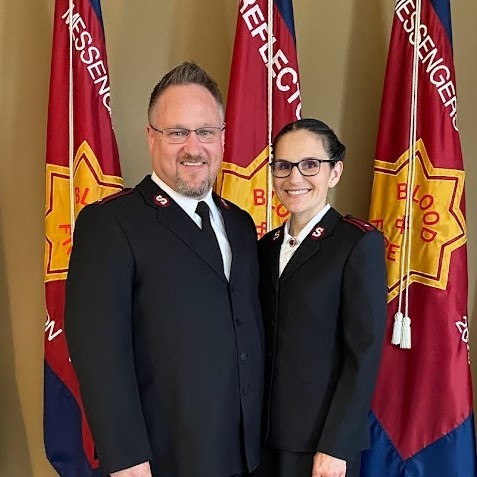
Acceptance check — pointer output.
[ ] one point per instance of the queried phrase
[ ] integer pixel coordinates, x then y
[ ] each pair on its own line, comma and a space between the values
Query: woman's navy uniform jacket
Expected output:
325, 318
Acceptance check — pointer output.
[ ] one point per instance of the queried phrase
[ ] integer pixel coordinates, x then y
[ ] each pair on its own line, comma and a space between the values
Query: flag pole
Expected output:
270, 112
71, 138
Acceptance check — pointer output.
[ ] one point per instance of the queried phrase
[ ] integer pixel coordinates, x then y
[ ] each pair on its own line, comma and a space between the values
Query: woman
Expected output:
323, 291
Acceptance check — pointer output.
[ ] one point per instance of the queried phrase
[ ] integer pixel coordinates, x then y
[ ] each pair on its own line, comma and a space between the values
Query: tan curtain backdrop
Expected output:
342, 50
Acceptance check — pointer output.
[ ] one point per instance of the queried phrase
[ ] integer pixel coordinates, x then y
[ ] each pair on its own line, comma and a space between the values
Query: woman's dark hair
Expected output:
333, 147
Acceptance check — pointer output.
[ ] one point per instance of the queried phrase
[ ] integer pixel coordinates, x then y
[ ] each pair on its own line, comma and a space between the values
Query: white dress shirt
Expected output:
289, 248
189, 205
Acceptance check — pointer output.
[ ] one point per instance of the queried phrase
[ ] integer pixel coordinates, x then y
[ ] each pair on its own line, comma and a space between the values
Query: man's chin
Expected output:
194, 191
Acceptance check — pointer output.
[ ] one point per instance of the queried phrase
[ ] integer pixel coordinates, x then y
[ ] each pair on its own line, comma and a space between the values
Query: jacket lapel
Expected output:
312, 242
273, 257
175, 219
234, 230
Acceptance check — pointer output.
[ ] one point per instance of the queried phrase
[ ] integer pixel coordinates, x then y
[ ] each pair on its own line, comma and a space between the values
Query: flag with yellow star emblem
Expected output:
82, 166
263, 96
422, 419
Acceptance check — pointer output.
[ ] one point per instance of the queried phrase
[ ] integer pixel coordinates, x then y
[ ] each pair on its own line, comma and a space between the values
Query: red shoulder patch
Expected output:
359, 223
106, 199
224, 203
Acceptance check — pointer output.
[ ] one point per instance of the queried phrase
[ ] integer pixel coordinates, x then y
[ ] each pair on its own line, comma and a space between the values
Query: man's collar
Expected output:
189, 204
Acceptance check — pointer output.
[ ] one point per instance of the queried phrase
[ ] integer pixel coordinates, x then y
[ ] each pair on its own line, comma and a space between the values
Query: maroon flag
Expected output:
82, 166
263, 96
422, 420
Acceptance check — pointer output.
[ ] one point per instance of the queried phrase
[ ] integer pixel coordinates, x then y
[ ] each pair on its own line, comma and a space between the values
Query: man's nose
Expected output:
192, 145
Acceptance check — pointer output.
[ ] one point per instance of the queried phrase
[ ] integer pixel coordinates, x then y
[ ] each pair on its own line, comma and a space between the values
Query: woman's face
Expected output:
304, 196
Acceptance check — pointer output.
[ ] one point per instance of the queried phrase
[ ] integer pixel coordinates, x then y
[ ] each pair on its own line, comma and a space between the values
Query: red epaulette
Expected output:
106, 199
225, 203
359, 223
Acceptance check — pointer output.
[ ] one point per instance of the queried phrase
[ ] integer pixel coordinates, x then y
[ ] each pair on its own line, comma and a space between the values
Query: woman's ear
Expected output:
335, 176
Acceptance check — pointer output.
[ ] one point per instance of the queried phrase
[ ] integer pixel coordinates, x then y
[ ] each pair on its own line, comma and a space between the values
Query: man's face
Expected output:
192, 167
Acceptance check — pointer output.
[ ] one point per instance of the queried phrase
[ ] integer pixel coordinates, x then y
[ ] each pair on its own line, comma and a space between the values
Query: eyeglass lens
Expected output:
307, 167
180, 135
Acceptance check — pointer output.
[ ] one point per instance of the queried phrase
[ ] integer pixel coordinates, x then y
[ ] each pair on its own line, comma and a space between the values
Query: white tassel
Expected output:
406, 333
397, 329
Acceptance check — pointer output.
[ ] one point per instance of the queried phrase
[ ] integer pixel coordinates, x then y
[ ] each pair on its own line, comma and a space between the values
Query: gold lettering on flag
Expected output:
438, 225
90, 185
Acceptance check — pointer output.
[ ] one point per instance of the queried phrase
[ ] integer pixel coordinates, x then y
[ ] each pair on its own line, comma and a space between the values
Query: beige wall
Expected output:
342, 49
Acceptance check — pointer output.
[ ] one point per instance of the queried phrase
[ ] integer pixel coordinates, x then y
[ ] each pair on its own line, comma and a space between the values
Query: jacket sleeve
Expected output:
98, 325
363, 312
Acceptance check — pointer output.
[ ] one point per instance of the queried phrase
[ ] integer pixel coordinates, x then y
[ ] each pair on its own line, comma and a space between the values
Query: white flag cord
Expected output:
70, 123
402, 322
270, 113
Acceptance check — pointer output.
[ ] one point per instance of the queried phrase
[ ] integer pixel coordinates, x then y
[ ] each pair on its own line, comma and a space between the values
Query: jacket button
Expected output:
243, 356
238, 322
272, 323
247, 389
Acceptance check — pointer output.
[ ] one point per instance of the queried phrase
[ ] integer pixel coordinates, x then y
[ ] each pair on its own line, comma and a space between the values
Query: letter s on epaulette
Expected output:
106, 199
359, 223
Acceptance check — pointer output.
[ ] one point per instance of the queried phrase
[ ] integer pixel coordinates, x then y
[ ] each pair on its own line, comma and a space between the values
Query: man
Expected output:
162, 312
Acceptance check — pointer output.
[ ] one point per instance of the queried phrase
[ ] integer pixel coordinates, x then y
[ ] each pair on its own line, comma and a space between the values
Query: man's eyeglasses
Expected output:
206, 135
309, 166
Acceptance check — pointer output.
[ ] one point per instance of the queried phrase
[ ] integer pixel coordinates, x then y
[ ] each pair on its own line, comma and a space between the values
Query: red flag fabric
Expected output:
82, 166
422, 420
245, 173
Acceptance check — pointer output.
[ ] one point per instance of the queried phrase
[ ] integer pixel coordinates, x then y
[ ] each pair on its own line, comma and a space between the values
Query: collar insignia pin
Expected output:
161, 201
318, 233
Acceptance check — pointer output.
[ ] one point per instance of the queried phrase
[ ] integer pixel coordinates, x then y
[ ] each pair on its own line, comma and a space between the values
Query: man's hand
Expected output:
140, 470
325, 465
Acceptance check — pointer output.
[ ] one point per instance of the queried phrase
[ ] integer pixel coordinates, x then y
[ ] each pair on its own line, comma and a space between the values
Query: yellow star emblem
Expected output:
247, 188
89, 185
437, 224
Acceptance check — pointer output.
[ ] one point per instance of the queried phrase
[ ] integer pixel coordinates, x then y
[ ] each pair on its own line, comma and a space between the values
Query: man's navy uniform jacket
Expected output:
168, 353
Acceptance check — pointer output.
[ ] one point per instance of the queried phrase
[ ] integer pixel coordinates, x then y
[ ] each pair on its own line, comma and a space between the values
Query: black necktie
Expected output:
203, 212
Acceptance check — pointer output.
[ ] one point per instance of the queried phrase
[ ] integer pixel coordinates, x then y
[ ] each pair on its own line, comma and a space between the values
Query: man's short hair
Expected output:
183, 74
